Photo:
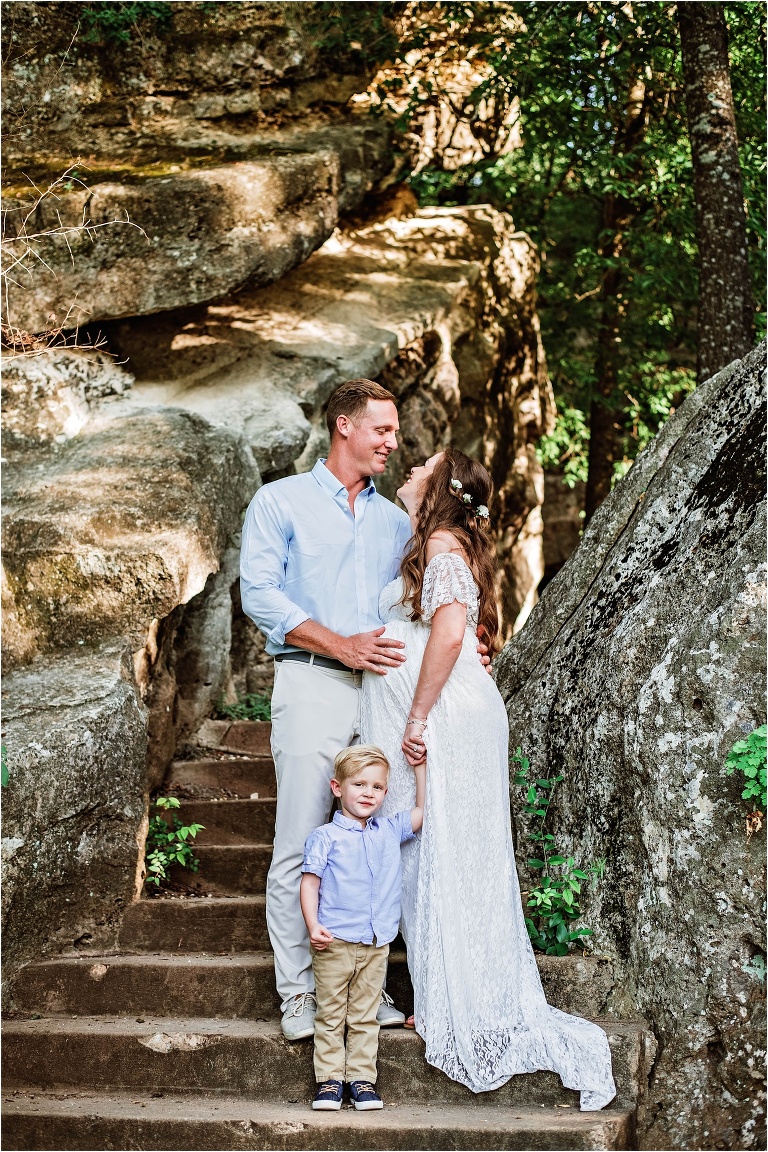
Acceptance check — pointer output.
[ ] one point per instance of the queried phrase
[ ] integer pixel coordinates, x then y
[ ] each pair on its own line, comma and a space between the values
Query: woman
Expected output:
479, 1003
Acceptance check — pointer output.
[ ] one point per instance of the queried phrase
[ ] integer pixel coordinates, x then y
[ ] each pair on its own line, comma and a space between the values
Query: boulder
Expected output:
439, 307
74, 808
641, 666
115, 528
154, 242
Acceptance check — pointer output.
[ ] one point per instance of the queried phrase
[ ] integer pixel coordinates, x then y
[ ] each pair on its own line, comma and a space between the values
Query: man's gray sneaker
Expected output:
299, 1017
387, 1015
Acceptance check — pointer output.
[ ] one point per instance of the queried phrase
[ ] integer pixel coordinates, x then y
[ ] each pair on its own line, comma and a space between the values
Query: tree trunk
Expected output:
726, 307
605, 427
604, 430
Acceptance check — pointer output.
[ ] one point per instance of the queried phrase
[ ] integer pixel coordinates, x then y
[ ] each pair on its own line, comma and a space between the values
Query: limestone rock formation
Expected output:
218, 134
75, 804
110, 85
641, 666
115, 528
166, 241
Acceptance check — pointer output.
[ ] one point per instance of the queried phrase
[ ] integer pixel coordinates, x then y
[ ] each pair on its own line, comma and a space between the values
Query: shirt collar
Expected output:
332, 485
352, 825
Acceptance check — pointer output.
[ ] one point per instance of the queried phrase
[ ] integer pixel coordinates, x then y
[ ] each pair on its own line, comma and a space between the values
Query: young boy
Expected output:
350, 898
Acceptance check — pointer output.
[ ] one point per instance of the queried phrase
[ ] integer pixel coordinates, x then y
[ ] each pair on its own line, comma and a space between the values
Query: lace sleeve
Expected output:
447, 578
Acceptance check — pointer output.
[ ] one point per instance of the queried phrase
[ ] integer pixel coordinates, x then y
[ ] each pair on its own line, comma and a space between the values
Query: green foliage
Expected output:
169, 846
749, 757
114, 23
252, 707
4, 773
601, 179
555, 901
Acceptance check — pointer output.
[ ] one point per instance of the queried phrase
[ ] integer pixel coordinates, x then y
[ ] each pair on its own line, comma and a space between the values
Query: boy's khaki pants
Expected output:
348, 983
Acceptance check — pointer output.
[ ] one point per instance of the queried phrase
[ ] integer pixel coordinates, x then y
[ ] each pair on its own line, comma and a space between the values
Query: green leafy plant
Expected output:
168, 846
252, 707
116, 23
749, 757
4, 773
555, 901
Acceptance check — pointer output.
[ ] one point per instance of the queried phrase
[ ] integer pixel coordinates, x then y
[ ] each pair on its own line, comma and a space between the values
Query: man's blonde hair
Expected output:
353, 760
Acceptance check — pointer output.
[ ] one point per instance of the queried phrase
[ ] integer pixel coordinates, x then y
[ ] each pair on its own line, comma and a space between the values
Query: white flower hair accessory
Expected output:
457, 490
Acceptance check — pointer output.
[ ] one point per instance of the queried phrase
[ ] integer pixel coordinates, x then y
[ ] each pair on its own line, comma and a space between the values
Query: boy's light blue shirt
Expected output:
304, 556
360, 876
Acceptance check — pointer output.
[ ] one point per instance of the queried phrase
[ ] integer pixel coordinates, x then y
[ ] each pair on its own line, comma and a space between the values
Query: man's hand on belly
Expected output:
371, 652
365, 651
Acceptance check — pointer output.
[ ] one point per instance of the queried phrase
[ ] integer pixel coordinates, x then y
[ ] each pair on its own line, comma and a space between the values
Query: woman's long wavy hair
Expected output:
441, 508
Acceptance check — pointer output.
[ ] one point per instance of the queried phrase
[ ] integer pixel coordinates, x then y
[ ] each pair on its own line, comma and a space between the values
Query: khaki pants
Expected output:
348, 982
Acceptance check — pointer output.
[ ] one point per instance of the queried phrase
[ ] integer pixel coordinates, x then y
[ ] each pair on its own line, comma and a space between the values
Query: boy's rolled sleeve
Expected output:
316, 853
401, 823
263, 560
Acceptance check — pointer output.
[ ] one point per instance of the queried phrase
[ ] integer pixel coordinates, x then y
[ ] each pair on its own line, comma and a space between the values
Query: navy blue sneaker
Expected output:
328, 1096
364, 1096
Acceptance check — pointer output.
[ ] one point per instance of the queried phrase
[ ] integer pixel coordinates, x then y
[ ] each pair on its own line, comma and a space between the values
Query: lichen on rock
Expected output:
640, 667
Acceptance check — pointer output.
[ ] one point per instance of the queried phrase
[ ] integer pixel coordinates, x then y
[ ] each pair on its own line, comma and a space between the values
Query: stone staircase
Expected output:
174, 1042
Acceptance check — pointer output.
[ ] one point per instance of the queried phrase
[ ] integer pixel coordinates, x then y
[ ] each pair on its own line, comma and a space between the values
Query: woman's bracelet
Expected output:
416, 720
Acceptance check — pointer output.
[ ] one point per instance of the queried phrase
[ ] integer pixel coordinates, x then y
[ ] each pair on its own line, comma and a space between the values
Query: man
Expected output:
317, 550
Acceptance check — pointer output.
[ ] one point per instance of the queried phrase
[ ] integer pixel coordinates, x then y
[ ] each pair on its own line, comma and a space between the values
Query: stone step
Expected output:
239, 777
242, 985
198, 924
127, 1120
228, 869
160, 1054
251, 737
230, 821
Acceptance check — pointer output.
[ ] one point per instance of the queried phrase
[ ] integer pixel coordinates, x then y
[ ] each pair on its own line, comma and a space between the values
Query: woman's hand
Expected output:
413, 746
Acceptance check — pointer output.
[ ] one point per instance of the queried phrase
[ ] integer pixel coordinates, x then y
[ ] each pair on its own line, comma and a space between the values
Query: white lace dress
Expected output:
479, 1003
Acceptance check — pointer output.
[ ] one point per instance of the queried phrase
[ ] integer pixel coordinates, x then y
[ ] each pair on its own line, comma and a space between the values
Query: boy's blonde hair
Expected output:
352, 760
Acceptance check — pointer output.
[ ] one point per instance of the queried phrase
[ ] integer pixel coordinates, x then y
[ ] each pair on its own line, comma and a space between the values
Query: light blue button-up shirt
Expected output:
360, 877
304, 556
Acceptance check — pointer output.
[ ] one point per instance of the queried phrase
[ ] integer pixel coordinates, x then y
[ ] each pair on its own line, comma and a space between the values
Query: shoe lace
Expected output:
329, 1088
387, 999
364, 1086
301, 1003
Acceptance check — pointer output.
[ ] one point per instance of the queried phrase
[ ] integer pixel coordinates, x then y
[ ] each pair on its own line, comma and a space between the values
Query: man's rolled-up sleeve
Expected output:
263, 561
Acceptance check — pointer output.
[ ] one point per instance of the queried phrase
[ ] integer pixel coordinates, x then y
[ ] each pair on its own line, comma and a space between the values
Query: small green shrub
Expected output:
167, 846
555, 902
253, 707
4, 773
749, 757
